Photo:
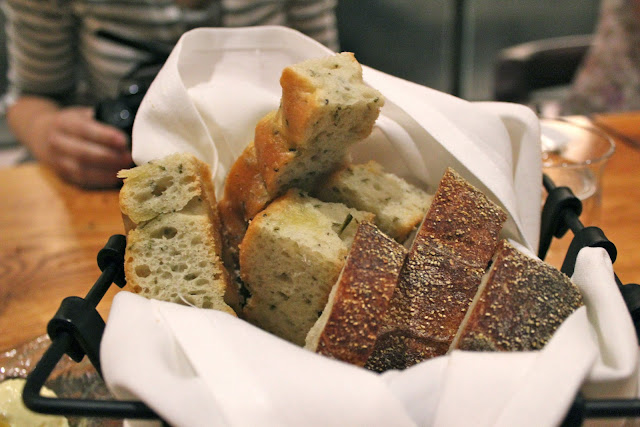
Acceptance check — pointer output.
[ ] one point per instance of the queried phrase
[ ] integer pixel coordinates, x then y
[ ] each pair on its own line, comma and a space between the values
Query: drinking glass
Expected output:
575, 155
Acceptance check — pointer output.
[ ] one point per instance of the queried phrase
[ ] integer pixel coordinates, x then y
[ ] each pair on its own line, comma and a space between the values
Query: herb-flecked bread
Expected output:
325, 109
399, 206
174, 245
290, 258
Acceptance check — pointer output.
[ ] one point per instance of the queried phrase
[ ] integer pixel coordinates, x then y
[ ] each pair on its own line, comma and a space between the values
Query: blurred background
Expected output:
449, 45
423, 40
5, 136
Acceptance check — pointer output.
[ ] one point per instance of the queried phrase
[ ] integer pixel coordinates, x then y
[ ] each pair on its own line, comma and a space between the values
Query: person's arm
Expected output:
70, 141
42, 47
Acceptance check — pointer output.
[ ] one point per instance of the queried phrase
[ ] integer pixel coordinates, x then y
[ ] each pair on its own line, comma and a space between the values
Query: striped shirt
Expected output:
54, 49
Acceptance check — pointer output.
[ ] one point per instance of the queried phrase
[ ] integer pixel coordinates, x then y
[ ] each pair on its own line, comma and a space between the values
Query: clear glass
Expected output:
575, 155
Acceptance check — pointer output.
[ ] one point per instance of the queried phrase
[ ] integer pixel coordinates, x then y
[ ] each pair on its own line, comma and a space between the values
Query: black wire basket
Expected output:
77, 327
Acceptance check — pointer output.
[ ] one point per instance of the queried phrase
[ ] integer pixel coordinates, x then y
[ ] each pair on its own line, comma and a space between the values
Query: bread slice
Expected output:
325, 108
348, 327
164, 185
520, 304
399, 207
440, 277
290, 257
243, 197
174, 245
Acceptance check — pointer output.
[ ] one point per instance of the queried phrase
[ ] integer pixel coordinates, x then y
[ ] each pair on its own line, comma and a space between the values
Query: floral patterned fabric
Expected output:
609, 78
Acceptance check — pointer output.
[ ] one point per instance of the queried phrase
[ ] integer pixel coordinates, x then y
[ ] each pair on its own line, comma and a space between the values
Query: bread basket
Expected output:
493, 145
76, 329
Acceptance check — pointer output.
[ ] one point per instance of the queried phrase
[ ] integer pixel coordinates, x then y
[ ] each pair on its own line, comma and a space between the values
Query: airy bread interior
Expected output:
174, 247
398, 206
170, 258
160, 186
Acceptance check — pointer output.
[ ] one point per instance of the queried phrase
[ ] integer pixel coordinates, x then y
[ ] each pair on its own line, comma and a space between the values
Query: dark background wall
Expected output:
415, 39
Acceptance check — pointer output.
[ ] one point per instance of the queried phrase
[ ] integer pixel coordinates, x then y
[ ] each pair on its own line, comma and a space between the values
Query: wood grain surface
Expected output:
51, 232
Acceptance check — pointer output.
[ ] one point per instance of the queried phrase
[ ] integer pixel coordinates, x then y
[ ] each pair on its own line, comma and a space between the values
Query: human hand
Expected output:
82, 150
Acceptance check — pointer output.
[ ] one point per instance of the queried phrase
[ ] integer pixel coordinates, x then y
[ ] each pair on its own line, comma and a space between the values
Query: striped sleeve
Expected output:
41, 46
315, 18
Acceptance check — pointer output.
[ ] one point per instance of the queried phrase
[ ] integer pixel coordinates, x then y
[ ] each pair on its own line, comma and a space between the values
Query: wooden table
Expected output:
51, 232
621, 193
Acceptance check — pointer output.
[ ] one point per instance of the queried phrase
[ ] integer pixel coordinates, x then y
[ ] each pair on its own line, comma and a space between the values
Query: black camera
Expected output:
121, 110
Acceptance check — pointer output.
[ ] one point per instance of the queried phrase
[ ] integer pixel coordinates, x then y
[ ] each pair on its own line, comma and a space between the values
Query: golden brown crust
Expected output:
440, 276
128, 223
232, 294
522, 304
428, 305
209, 194
273, 151
297, 96
325, 108
301, 106
243, 197
362, 296
292, 146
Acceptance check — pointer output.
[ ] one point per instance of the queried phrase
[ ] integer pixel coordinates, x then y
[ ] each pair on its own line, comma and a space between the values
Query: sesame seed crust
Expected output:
463, 220
362, 295
440, 277
523, 303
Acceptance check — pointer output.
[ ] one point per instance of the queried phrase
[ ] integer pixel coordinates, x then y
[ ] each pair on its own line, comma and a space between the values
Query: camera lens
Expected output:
115, 113
133, 89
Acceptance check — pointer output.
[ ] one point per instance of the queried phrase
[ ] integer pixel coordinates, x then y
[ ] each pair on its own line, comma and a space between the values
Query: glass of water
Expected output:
575, 155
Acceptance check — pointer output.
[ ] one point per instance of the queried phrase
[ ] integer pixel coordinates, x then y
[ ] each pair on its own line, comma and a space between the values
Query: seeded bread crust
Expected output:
440, 277
348, 327
290, 257
399, 207
520, 304
174, 244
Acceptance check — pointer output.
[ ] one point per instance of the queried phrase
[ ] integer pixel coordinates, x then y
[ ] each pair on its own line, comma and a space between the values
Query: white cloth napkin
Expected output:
206, 100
